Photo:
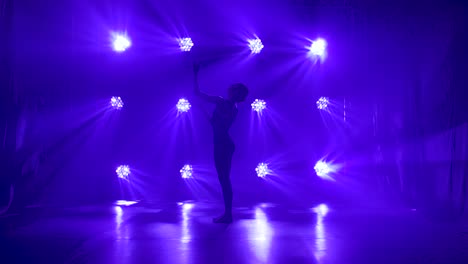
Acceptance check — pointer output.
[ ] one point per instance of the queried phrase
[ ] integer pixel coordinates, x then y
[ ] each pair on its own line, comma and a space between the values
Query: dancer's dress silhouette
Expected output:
223, 116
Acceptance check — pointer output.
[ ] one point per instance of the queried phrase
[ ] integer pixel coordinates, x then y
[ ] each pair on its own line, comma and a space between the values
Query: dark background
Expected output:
399, 67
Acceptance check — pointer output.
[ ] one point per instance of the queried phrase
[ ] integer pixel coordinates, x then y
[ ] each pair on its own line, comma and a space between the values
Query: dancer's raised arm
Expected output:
204, 96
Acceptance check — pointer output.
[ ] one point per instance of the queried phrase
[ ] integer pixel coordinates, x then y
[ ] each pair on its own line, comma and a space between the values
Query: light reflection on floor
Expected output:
186, 208
259, 235
184, 233
320, 234
121, 242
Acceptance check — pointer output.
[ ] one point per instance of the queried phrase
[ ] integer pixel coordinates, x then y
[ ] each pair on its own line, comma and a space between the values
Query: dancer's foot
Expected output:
224, 219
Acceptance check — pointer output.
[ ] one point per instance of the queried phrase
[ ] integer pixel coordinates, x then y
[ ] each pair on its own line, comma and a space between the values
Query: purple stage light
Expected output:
186, 172
262, 170
183, 105
123, 171
322, 169
255, 45
116, 102
322, 103
318, 48
258, 105
120, 42
185, 44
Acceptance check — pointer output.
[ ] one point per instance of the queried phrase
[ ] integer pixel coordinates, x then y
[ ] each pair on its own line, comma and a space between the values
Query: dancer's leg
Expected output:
223, 161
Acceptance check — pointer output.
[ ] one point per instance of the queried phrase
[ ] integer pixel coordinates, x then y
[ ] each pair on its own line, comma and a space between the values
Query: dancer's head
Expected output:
238, 92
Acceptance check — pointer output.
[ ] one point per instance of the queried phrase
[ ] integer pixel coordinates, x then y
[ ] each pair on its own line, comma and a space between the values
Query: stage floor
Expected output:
184, 233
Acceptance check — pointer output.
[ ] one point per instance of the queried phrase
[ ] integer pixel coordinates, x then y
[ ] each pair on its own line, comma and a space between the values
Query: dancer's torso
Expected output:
223, 116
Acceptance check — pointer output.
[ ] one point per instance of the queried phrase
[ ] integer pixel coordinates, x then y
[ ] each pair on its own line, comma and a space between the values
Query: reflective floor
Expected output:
184, 233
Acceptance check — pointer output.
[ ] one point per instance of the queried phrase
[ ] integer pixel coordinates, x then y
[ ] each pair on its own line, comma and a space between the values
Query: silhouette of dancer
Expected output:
223, 116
